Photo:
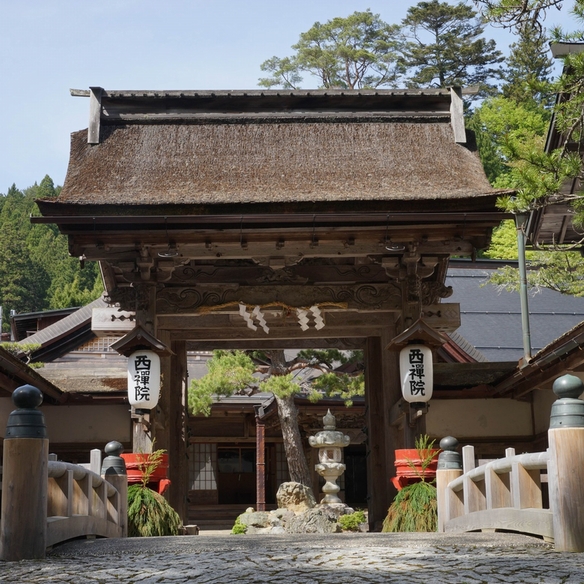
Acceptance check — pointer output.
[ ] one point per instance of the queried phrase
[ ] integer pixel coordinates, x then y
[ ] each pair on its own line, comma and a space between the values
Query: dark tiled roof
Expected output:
491, 319
65, 326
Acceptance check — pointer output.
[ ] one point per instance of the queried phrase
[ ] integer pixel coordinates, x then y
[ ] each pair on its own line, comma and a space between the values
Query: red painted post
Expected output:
260, 463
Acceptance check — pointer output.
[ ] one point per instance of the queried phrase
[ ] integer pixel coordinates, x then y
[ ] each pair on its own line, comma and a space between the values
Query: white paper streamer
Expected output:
302, 318
248, 319
258, 315
318, 320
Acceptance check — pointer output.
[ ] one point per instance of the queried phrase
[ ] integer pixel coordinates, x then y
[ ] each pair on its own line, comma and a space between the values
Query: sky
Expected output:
50, 46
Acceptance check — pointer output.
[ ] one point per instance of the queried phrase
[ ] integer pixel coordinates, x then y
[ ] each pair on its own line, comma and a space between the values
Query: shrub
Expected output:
352, 521
150, 514
238, 528
413, 509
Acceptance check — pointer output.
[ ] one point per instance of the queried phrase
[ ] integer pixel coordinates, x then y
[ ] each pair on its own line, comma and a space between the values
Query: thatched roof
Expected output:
232, 149
271, 163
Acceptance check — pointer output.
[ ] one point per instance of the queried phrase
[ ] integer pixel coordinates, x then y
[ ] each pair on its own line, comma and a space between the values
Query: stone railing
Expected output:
44, 501
506, 494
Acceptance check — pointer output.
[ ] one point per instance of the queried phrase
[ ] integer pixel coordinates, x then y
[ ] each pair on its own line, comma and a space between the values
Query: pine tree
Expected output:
233, 371
529, 68
352, 53
444, 48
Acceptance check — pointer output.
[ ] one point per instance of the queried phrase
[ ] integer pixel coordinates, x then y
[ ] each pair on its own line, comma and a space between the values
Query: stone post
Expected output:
113, 471
566, 464
23, 527
449, 468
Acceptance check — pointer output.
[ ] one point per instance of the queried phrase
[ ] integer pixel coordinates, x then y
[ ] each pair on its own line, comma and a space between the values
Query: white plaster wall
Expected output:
479, 418
542, 407
70, 424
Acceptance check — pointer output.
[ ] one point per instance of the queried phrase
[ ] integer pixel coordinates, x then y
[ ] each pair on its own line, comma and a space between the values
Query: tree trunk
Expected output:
288, 414
297, 465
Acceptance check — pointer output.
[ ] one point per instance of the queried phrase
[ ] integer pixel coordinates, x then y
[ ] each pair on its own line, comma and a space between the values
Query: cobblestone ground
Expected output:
306, 559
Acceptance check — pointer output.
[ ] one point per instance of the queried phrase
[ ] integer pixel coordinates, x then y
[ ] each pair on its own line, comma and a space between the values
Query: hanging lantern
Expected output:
143, 379
416, 373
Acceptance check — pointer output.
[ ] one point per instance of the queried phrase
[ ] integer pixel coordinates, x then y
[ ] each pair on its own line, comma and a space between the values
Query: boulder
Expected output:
318, 520
295, 497
255, 519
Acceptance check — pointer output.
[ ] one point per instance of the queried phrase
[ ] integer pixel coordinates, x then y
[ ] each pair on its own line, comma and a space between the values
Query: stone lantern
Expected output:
330, 443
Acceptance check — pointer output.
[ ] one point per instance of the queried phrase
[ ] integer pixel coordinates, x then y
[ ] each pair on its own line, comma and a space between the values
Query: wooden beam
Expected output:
364, 297
95, 94
265, 344
126, 243
457, 115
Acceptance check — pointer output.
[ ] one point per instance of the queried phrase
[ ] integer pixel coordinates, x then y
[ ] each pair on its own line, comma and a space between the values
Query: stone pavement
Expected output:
304, 559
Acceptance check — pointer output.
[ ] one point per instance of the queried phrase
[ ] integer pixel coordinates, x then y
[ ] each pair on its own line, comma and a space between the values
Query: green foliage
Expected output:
22, 281
513, 14
21, 349
557, 270
281, 385
539, 176
326, 357
504, 243
529, 67
352, 521
426, 455
437, 45
149, 462
150, 514
413, 509
228, 373
238, 528
355, 52
36, 271
562, 271
444, 47
506, 132
339, 385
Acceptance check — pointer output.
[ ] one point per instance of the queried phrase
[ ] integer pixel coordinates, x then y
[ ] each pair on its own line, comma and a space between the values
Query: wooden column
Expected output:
260, 464
566, 471
170, 421
443, 478
394, 434
23, 527
566, 464
449, 468
378, 473
142, 433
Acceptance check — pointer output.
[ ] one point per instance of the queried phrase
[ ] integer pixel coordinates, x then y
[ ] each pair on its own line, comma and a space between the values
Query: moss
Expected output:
238, 528
352, 521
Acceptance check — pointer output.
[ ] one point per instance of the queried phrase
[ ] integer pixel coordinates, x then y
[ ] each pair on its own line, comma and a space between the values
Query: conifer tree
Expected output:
444, 47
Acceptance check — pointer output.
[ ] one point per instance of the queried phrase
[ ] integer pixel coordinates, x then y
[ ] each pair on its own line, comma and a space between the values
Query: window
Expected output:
236, 460
203, 467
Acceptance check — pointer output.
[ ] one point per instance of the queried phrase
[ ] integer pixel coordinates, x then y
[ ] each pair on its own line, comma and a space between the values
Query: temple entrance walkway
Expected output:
304, 559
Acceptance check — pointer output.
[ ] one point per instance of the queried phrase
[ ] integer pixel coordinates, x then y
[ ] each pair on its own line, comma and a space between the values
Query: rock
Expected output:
259, 531
255, 519
283, 514
295, 497
319, 520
